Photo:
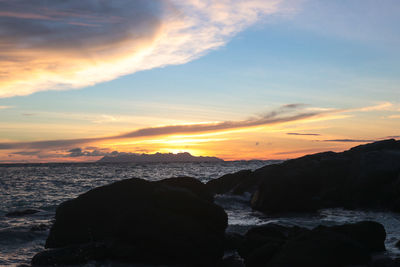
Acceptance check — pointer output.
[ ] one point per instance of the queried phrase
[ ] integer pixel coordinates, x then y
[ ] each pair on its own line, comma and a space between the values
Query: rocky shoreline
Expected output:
175, 222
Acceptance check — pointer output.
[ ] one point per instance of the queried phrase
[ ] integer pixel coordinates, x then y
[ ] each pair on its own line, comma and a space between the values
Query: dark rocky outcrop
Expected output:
20, 213
397, 245
233, 241
385, 262
233, 260
193, 185
175, 222
350, 244
72, 255
235, 183
366, 176
138, 221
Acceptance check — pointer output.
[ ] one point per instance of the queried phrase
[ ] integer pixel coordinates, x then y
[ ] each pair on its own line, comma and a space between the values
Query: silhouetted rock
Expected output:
366, 176
370, 234
261, 243
157, 157
19, 213
232, 261
164, 222
385, 262
191, 184
350, 244
235, 183
140, 222
72, 255
233, 241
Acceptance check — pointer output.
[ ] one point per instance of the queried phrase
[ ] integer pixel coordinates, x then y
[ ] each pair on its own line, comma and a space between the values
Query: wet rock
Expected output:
20, 213
233, 241
233, 260
71, 255
350, 244
321, 248
383, 261
235, 183
370, 234
261, 243
191, 184
366, 176
142, 222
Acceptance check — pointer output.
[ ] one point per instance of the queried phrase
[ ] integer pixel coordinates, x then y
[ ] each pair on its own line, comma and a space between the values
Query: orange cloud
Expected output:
236, 139
285, 114
72, 44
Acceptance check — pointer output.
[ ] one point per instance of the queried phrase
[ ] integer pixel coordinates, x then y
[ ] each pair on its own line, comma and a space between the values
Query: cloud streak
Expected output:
304, 134
350, 140
5, 107
283, 115
79, 152
61, 44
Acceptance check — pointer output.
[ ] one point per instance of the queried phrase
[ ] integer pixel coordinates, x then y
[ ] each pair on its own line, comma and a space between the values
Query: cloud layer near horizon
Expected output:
284, 114
55, 45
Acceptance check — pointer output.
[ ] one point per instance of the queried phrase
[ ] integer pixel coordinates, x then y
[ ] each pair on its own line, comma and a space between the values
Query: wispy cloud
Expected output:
392, 137
305, 134
302, 151
71, 44
5, 107
26, 153
381, 106
350, 140
23, 15
384, 106
78, 152
282, 115
194, 133
99, 152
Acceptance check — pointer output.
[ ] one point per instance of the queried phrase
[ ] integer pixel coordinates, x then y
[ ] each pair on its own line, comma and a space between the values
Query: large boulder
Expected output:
72, 255
366, 176
193, 185
138, 221
350, 244
234, 183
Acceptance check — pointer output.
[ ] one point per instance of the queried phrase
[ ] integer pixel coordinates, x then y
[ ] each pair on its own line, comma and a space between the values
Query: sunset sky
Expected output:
254, 79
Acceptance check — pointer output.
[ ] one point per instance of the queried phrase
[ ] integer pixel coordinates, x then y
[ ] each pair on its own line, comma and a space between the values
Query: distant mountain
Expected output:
158, 157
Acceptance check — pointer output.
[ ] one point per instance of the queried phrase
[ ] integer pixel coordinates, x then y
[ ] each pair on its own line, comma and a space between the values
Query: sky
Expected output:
254, 79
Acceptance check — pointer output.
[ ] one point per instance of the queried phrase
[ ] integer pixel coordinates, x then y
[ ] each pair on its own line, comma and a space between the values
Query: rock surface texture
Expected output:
345, 245
136, 221
366, 176
175, 221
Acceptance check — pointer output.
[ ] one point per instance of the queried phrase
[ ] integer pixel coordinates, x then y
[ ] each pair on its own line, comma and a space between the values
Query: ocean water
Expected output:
45, 186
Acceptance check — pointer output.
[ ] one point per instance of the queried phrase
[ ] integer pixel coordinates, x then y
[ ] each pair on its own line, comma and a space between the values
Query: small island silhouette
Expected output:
156, 158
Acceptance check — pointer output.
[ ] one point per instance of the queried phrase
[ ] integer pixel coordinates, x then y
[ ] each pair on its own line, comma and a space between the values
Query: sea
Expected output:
44, 186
